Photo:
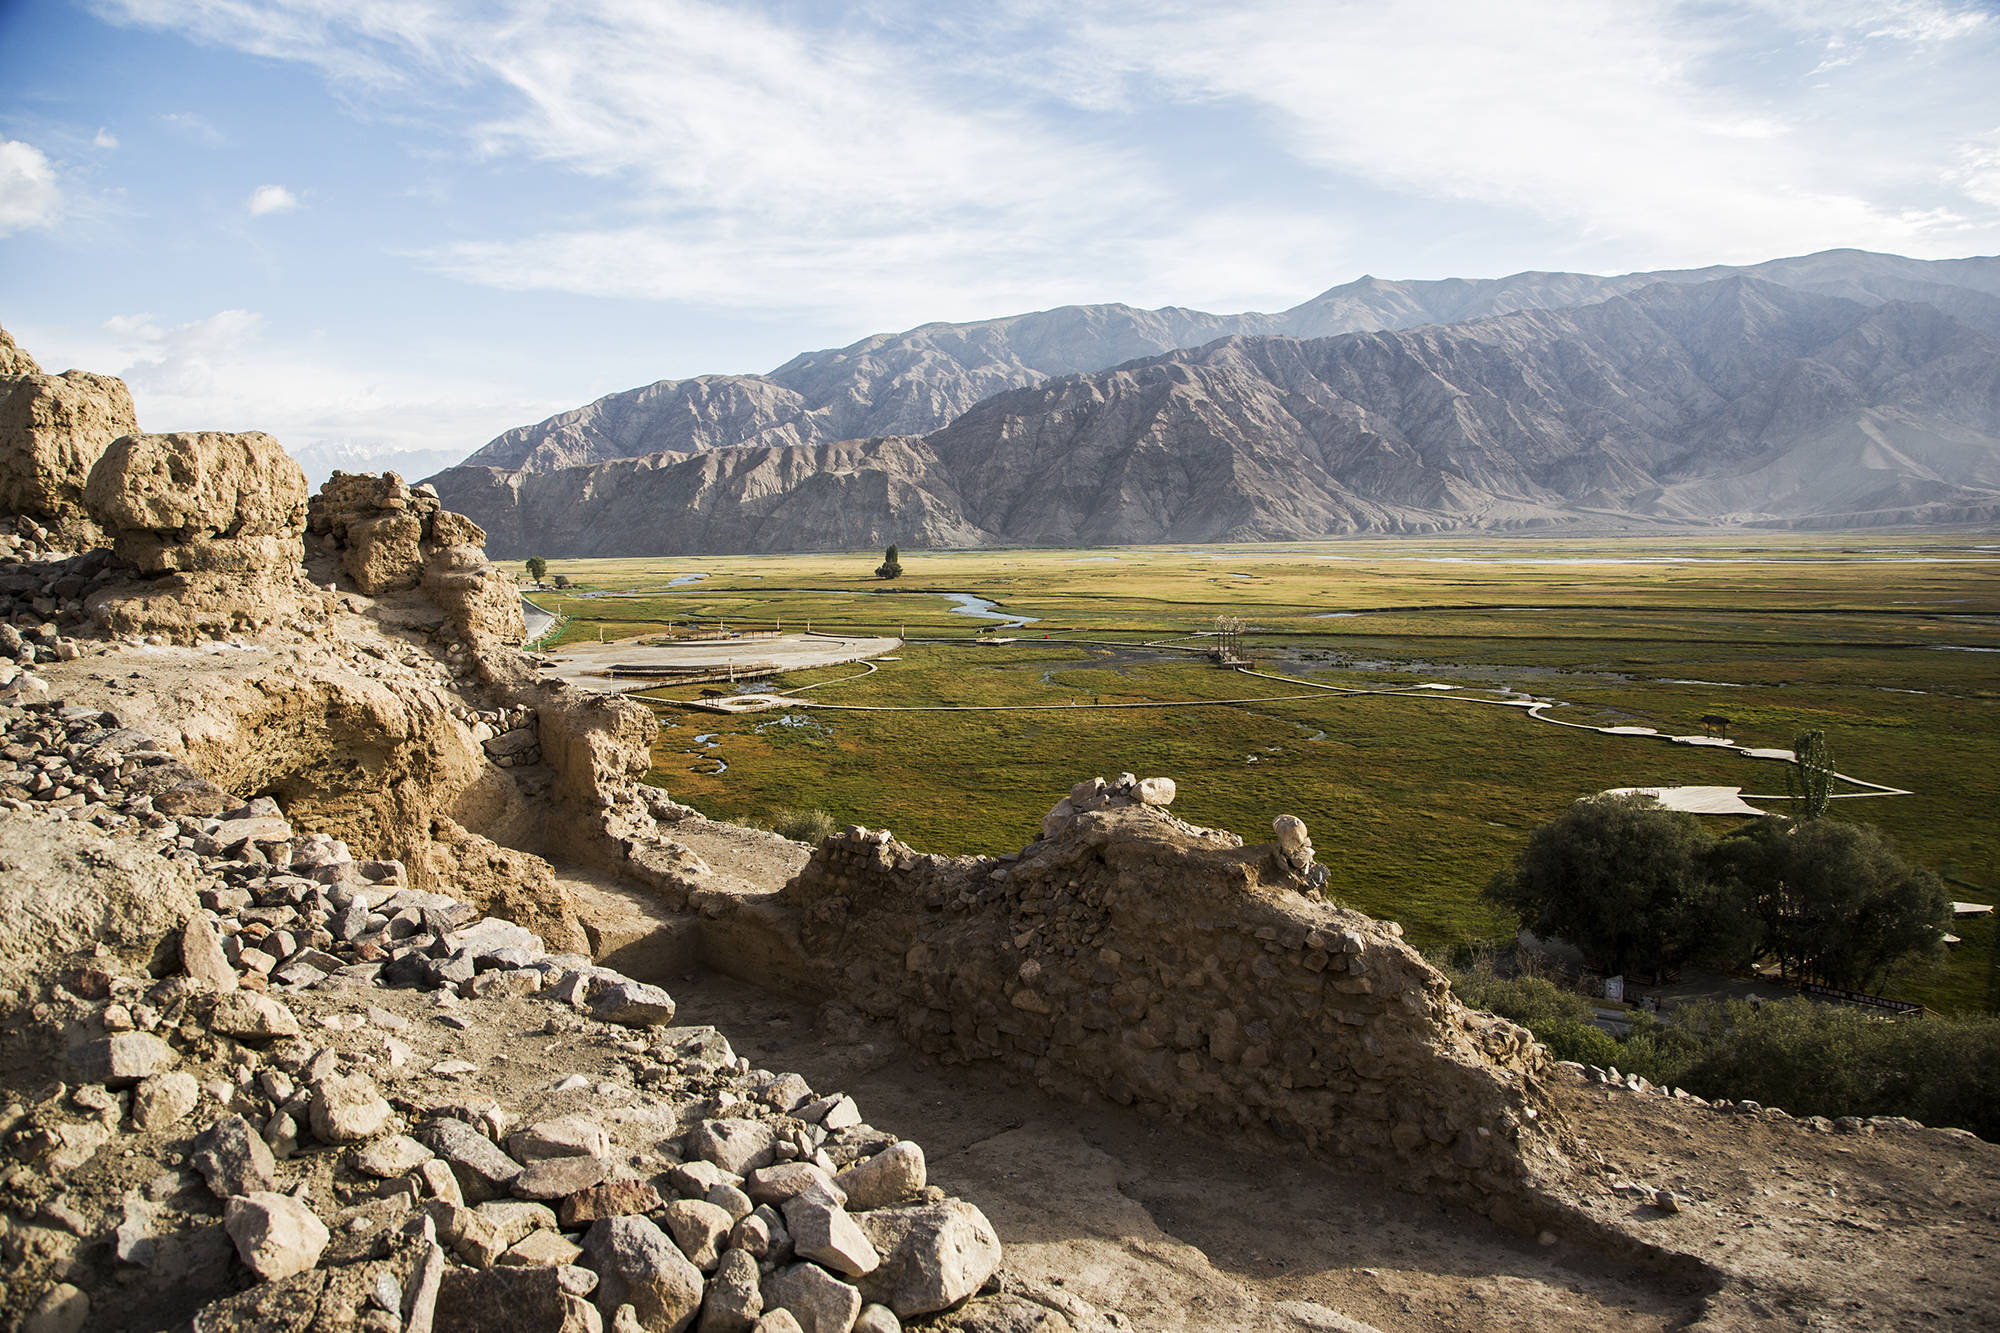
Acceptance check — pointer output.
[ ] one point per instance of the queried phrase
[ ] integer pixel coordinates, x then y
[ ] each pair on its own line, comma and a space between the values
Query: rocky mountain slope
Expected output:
915, 382
1736, 400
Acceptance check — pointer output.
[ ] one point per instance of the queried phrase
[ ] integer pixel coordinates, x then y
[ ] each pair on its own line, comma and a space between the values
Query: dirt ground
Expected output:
1781, 1224
1890, 1229
1171, 1228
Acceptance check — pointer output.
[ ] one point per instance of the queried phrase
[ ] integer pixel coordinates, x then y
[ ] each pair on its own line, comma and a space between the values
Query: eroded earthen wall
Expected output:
1171, 969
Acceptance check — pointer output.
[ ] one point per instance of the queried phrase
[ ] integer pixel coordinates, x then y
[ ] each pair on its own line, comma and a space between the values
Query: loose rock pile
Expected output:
281, 1102
1120, 793
511, 737
39, 602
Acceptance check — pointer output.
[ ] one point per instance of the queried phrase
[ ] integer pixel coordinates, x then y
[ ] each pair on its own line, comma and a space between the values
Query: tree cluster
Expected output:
891, 566
1639, 888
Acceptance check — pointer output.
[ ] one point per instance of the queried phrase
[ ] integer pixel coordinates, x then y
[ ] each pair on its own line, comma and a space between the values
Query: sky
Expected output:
411, 224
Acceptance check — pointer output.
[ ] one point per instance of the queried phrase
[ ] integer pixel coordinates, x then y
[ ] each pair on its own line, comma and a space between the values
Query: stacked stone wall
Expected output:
1174, 970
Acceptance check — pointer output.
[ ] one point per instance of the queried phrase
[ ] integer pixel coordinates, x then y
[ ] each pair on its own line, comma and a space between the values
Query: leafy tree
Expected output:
1624, 880
1833, 902
891, 566
538, 568
1810, 777
560, 580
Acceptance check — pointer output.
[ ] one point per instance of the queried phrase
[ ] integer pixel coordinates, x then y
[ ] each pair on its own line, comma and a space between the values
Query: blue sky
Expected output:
413, 223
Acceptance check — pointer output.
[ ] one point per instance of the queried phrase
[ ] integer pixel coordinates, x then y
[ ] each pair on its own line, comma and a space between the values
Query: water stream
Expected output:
981, 608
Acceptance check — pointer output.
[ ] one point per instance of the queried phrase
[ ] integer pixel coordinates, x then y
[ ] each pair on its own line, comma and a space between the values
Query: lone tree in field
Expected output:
1623, 879
1810, 777
1832, 902
891, 566
538, 568
560, 580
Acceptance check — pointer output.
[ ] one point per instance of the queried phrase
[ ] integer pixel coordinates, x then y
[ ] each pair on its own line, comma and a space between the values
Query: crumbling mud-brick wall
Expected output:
1174, 970
391, 537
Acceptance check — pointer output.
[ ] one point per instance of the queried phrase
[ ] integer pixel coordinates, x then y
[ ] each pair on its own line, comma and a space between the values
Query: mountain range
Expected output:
1838, 389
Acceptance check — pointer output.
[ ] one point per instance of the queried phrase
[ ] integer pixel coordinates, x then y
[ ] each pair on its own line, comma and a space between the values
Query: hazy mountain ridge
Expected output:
321, 461
1738, 400
917, 381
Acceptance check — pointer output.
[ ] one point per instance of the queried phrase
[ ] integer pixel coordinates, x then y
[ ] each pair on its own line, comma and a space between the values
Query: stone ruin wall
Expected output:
387, 704
1173, 970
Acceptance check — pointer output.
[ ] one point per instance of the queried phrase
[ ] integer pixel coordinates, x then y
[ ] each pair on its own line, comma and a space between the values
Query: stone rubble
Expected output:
263, 1054
261, 1034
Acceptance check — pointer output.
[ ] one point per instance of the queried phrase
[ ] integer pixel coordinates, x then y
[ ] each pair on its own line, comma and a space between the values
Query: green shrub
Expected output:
1832, 1060
1808, 1058
802, 825
1560, 1019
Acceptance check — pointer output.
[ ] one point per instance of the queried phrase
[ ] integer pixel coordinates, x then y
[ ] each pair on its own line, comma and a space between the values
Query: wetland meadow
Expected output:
1414, 795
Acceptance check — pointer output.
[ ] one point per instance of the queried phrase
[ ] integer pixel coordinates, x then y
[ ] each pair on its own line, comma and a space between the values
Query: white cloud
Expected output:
104, 139
900, 160
194, 126
1978, 171
225, 372
1611, 120
29, 194
738, 160
271, 199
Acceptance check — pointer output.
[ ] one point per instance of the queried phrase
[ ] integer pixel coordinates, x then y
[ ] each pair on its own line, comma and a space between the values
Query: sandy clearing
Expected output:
583, 664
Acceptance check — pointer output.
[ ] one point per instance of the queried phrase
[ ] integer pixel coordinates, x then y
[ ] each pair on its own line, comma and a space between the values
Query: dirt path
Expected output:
741, 858
1894, 1229
1175, 1230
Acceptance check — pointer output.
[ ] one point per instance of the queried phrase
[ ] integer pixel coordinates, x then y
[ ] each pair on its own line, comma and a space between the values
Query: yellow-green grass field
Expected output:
1890, 644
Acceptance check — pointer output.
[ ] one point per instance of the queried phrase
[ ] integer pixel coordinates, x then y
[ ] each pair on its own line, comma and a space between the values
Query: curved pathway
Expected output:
540, 622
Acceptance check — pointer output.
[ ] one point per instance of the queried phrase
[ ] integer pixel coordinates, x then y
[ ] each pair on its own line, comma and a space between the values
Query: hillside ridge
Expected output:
916, 381
1737, 400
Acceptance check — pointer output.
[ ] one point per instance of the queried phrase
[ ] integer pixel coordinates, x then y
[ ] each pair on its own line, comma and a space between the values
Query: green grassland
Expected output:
1413, 801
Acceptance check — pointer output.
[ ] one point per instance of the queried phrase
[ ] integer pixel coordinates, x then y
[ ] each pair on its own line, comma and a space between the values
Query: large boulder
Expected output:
275, 1234
53, 429
491, 1300
213, 521
637, 1264
64, 890
934, 1255
201, 502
